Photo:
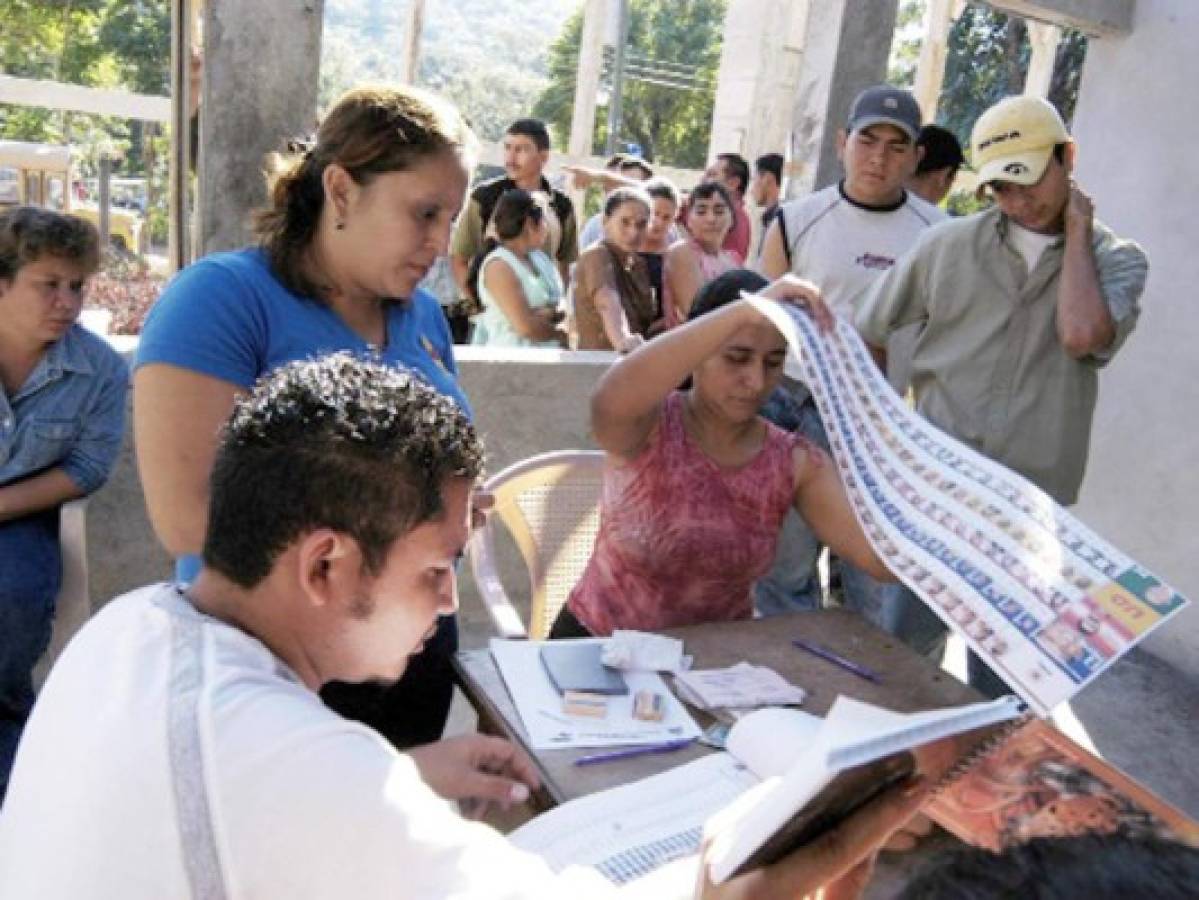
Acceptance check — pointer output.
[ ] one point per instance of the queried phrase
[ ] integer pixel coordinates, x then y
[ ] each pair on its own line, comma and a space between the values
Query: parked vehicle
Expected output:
40, 175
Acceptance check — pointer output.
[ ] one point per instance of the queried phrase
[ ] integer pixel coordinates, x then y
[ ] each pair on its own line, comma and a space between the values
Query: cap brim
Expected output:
1016, 168
867, 121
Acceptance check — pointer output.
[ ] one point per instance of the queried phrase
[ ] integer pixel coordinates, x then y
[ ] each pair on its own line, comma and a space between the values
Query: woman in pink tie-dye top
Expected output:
699, 257
696, 483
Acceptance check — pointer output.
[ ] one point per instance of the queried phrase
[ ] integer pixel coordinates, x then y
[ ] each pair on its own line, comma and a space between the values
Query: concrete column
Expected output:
587, 79
178, 193
845, 50
1043, 40
1106, 18
410, 52
261, 62
1134, 158
939, 16
760, 59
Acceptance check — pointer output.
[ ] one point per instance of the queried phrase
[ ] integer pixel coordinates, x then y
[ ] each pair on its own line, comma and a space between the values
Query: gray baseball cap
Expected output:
886, 105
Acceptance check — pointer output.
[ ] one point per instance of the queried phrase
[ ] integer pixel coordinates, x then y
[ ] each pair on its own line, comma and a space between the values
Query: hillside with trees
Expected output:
489, 58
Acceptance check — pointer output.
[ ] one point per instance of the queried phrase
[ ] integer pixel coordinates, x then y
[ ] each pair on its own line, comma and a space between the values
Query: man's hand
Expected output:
1080, 212
478, 769
835, 866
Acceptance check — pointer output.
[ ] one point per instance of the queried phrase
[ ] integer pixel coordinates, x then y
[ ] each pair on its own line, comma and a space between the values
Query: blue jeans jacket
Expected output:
70, 413
29, 582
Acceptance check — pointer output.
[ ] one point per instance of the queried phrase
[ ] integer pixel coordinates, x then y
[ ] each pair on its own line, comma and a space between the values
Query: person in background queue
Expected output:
940, 159
613, 300
731, 171
844, 238
621, 170
515, 282
695, 260
766, 190
526, 154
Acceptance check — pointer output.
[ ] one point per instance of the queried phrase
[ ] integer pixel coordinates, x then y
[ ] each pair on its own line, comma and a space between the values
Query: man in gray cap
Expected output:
1017, 308
844, 238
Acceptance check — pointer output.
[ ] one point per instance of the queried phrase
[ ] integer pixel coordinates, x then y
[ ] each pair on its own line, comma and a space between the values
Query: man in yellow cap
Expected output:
1019, 307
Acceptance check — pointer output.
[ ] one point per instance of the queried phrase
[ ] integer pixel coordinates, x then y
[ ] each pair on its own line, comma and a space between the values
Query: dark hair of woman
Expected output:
369, 131
709, 189
725, 289
623, 195
721, 291
659, 188
512, 211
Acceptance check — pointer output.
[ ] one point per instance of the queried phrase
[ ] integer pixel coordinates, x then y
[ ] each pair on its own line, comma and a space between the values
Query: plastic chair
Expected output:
73, 606
550, 505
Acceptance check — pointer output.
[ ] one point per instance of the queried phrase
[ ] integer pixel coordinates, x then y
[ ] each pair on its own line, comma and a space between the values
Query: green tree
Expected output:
671, 124
905, 48
95, 43
987, 60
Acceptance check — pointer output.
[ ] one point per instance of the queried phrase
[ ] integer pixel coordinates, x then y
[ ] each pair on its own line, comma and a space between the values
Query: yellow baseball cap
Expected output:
1012, 141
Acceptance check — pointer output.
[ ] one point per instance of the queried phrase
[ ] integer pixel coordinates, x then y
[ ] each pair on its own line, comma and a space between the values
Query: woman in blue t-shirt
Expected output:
353, 224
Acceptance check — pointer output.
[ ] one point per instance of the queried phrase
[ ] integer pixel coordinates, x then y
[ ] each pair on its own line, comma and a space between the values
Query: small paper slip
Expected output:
548, 728
640, 650
743, 686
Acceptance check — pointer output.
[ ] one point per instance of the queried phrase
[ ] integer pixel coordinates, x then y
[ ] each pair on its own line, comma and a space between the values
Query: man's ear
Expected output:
330, 568
842, 140
340, 189
544, 156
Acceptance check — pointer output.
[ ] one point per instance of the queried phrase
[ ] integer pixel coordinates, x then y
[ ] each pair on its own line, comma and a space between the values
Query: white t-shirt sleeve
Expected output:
339, 814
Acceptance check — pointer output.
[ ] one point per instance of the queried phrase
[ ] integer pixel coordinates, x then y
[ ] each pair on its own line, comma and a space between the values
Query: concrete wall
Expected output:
1136, 132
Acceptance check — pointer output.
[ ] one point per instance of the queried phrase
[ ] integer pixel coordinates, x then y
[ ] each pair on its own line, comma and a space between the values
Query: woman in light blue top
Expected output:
515, 282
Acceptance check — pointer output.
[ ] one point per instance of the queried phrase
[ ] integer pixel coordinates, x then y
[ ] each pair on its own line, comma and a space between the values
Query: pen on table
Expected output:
848, 664
630, 752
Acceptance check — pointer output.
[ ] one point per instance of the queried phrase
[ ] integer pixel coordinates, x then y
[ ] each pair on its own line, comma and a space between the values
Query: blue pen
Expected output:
614, 755
829, 656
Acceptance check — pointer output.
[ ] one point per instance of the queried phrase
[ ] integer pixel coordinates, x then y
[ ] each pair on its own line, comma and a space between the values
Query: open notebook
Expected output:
786, 777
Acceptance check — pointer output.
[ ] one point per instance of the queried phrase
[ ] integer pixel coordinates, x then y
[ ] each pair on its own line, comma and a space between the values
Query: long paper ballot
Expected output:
1046, 602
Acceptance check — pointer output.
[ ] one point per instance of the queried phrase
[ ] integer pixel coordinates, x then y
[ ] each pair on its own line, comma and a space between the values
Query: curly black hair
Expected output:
337, 442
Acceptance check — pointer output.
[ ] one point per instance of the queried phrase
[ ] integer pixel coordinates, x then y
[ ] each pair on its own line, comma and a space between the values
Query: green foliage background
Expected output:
671, 125
497, 60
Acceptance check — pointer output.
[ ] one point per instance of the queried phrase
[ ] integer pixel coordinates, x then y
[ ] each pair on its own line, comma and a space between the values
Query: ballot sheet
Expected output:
1045, 601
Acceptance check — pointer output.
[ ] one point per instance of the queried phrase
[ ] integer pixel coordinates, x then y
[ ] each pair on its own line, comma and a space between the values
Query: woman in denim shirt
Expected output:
62, 415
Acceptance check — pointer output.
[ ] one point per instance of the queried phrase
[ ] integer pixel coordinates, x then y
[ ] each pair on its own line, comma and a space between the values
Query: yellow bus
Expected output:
34, 174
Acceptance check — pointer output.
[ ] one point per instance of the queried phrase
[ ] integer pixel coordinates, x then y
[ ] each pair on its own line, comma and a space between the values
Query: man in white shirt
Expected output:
843, 238
180, 747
